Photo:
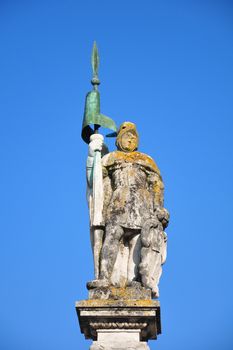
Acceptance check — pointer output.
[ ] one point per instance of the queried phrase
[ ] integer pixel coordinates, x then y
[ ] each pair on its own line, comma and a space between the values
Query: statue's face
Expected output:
129, 142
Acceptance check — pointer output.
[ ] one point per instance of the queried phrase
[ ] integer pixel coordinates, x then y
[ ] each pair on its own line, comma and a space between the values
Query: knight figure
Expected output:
128, 241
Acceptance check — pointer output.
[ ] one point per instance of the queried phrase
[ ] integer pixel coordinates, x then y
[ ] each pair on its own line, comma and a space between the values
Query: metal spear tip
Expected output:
95, 65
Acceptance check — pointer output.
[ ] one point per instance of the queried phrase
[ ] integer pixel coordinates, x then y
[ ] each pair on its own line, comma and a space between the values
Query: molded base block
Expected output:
119, 324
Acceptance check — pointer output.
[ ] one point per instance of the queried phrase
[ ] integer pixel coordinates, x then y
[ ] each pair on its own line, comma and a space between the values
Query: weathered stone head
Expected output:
127, 137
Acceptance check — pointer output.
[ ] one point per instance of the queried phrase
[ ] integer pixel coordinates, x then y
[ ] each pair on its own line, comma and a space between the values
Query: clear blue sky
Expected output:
168, 67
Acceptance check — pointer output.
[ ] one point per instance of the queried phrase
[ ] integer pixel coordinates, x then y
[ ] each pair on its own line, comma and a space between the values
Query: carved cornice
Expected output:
118, 325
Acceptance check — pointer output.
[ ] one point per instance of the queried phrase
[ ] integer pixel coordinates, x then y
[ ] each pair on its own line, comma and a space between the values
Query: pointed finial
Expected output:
95, 65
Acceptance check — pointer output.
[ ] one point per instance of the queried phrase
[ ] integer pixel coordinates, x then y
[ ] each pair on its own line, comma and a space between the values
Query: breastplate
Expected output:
129, 176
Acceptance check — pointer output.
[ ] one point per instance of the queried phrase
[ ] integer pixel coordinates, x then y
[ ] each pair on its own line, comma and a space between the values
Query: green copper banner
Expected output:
92, 115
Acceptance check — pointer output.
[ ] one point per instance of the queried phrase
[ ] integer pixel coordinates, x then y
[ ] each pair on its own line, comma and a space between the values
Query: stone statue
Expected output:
127, 223
128, 239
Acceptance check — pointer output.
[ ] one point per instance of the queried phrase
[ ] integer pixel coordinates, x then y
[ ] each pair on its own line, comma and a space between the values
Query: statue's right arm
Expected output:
96, 144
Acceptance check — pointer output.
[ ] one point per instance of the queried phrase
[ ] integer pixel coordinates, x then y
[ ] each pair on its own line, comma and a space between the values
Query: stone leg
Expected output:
110, 249
134, 257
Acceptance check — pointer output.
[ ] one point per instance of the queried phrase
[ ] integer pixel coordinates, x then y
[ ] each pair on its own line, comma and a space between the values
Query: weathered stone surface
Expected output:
96, 316
136, 292
129, 242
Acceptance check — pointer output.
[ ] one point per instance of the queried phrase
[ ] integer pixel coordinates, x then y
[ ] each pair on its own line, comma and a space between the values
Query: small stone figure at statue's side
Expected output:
129, 242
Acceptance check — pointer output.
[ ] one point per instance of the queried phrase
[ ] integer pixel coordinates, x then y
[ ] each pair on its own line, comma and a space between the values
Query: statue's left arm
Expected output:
154, 239
157, 188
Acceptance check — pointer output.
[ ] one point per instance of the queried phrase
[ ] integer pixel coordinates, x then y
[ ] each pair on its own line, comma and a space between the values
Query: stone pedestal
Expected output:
126, 339
119, 323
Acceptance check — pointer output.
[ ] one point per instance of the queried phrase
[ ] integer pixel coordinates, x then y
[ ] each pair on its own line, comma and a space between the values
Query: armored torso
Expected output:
132, 177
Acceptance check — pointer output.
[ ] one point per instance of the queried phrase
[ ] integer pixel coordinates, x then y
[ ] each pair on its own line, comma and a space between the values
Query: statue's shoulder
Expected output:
110, 158
146, 161
131, 157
